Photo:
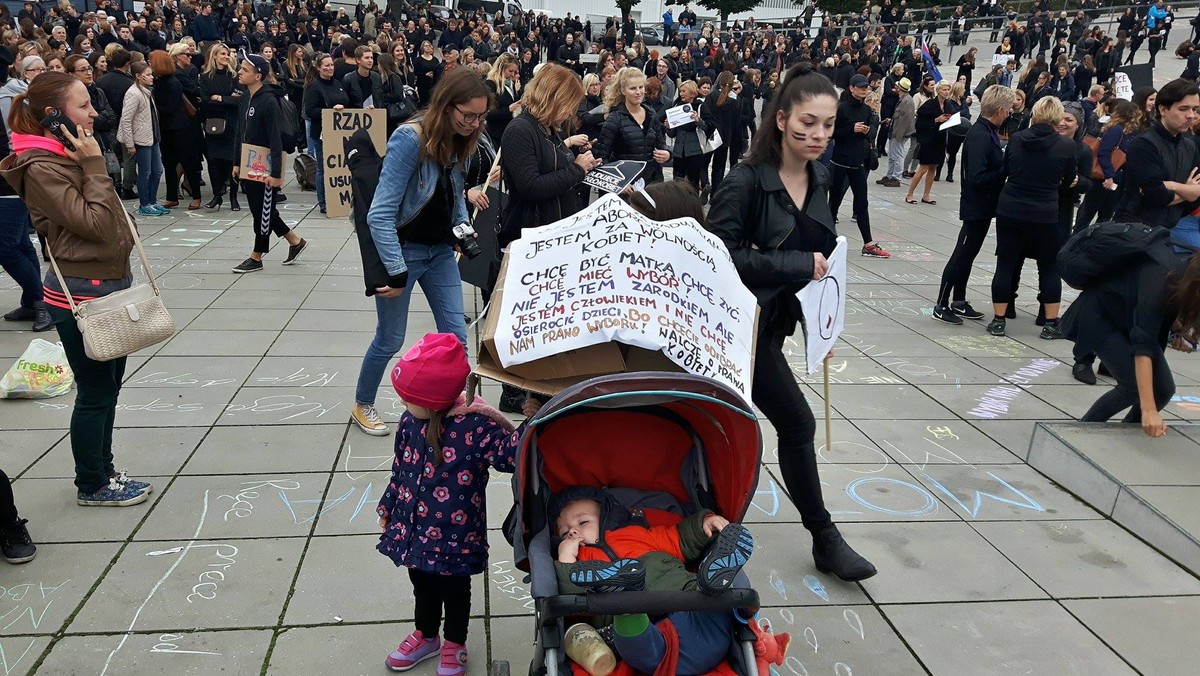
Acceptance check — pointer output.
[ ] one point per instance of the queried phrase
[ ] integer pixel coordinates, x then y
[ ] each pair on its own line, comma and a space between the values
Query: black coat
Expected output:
687, 141
982, 172
221, 84
114, 84
850, 148
622, 138
106, 120
539, 174
726, 119
589, 122
168, 98
1039, 162
499, 116
319, 95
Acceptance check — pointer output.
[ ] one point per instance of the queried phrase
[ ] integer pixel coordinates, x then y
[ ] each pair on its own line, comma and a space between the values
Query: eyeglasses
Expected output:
471, 118
85, 69
37, 69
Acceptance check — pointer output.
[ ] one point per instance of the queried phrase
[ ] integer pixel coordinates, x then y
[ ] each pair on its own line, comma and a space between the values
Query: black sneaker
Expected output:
248, 265
15, 541
726, 556
295, 251
1051, 331
128, 195
966, 311
1082, 371
606, 576
21, 314
996, 327
945, 314
280, 198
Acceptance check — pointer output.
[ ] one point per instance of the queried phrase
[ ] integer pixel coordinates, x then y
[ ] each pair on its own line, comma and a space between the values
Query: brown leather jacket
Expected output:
75, 207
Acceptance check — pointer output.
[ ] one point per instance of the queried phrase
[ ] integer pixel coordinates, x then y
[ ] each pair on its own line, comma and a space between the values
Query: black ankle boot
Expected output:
512, 399
833, 555
215, 203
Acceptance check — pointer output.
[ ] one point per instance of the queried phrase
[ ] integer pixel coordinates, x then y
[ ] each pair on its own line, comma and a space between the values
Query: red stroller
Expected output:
667, 441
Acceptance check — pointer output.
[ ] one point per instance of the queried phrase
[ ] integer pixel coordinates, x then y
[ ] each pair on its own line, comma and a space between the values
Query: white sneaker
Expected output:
368, 420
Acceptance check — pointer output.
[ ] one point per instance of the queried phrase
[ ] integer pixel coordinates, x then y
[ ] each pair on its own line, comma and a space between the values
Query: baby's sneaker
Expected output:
454, 659
412, 651
605, 576
726, 556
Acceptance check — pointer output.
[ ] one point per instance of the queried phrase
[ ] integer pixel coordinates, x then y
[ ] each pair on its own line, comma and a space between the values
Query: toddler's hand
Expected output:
714, 524
568, 550
383, 523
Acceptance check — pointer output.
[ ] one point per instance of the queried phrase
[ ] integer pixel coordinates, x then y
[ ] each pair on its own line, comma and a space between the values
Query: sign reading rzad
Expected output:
337, 126
611, 274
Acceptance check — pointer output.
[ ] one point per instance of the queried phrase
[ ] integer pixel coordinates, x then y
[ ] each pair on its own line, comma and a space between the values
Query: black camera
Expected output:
465, 234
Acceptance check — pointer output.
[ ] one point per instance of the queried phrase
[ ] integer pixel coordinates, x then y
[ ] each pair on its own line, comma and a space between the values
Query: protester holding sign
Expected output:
777, 248
321, 91
631, 131
260, 126
418, 204
689, 149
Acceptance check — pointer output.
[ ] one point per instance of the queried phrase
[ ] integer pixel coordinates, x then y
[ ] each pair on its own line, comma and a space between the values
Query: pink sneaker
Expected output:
414, 650
454, 659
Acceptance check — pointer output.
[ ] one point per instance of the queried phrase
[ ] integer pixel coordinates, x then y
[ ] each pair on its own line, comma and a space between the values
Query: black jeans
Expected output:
180, 148
1117, 354
1012, 238
17, 255
97, 384
776, 393
1099, 204
690, 169
8, 506
262, 208
433, 592
720, 157
220, 174
958, 269
857, 177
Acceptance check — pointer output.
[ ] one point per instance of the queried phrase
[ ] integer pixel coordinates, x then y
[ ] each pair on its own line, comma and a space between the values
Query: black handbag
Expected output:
400, 111
215, 126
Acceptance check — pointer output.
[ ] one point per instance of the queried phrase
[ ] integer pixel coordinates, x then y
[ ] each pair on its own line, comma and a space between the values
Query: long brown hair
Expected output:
724, 85
802, 84
1187, 294
441, 143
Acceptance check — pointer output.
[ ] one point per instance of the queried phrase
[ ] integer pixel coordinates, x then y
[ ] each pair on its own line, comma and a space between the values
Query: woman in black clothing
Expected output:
321, 91
590, 122
772, 212
932, 150
631, 132
966, 66
222, 95
178, 144
688, 152
504, 80
1126, 322
427, 68
959, 103
1039, 163
722, 113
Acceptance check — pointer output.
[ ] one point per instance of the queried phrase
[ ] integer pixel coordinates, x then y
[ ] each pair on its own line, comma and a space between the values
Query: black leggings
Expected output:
953, 143
432, 593
776, 393
262, 208
1099, 203
858, 183
220, 174
179, 148
958, 268
689, 168
719, 157
1117, 354
8, 507
1014, 239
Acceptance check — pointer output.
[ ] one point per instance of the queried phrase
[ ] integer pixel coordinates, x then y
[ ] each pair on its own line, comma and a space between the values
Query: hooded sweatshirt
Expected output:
1038, 161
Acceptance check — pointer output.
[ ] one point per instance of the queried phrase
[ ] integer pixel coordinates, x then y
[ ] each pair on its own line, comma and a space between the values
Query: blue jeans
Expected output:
434, 267
149, 174
17, 256
1187, 232
704, 640
316, 149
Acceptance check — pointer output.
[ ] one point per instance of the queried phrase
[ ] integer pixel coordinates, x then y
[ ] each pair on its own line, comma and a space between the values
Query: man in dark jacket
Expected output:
114, 84
851, 152
1161, 179
982, 179
207, 25
364, 86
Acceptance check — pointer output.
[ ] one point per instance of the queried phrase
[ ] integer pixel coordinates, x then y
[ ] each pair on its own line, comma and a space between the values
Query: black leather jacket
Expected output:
755, 217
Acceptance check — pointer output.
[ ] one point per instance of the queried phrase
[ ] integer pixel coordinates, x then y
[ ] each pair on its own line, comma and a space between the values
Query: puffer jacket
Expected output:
539, 174
137, 118
622, 138
72, 205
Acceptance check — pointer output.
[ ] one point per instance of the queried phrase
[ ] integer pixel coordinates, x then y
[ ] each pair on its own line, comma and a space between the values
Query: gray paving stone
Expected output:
1002, 493
193, 653
359, 649
19, 653
274, 406
307, 373
1006, 402
257, 450
22, 448
143, 452
217, 318
40, 595
333, 320
237, 506
197, 343
1153, 634
349, 505
979, 638
884, 402
784, 574
164, 371
935, 442
874, 493
54, 516
1133, 458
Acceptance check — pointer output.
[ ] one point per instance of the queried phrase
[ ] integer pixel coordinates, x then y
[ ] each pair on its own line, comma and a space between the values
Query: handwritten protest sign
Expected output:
613, 177
1122, 86
337, 126
255, 163
610, 274
824, 303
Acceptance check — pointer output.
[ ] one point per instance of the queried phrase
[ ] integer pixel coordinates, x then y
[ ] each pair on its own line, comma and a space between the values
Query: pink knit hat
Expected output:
433, 373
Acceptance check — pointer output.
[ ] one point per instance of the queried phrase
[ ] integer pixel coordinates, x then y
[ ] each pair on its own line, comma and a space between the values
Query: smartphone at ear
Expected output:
56, 122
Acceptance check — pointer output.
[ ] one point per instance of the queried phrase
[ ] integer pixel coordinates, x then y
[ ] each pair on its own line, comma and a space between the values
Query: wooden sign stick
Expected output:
828, 408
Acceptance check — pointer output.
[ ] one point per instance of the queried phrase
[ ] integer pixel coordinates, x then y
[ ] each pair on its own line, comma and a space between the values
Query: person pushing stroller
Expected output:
604, 547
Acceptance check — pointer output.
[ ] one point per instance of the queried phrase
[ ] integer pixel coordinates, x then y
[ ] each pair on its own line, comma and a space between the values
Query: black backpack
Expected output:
306, 171
291, 131
1105, 250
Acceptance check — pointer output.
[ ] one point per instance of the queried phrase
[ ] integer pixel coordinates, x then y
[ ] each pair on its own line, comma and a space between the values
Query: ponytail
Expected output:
49, 90
433, 435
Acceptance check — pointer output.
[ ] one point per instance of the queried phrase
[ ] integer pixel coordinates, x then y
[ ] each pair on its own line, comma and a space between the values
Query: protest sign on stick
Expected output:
337, 126
610, 274
824, 304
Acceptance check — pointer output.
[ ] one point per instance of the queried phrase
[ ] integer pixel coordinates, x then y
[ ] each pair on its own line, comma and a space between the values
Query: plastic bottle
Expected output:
586, 648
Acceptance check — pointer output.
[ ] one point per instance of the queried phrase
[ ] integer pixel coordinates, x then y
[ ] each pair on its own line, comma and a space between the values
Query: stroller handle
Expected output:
624, 603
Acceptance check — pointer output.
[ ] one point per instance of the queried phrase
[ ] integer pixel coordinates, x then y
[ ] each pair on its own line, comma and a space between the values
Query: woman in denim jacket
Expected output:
419, 200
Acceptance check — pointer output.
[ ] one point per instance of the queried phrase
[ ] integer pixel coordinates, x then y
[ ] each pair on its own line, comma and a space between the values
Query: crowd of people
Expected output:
177, 88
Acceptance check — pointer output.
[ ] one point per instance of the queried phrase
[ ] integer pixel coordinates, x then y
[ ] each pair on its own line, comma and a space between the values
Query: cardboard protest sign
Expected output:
610, 274
337, 126
824, 303
1002, 59
255, 163
614, 176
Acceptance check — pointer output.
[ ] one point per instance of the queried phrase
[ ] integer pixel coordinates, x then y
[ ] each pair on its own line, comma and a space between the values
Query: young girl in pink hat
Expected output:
433, 512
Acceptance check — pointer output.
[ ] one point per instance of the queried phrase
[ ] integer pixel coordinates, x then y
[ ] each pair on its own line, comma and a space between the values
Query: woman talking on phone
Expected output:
64, 182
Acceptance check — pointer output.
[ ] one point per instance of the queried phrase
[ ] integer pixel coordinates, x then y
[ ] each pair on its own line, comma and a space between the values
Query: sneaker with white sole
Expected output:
115, 494
18, 547
248, 265
412, 651
367, 418
454, 659
139, 486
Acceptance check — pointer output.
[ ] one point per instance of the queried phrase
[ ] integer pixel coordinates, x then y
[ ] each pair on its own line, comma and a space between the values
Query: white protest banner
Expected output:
610, 274
1122, 86
824, 303
614, 176
1002, 59
337, 126
679, 115
954, 121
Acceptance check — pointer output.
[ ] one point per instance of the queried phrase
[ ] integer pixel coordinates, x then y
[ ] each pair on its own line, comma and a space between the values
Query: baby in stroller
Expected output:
604, 547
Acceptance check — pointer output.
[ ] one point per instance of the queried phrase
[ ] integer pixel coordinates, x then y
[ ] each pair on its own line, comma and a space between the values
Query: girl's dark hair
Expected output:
433, 435
314, 68
440, 142
802, 84
1187, 294
48, 90
672, 199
